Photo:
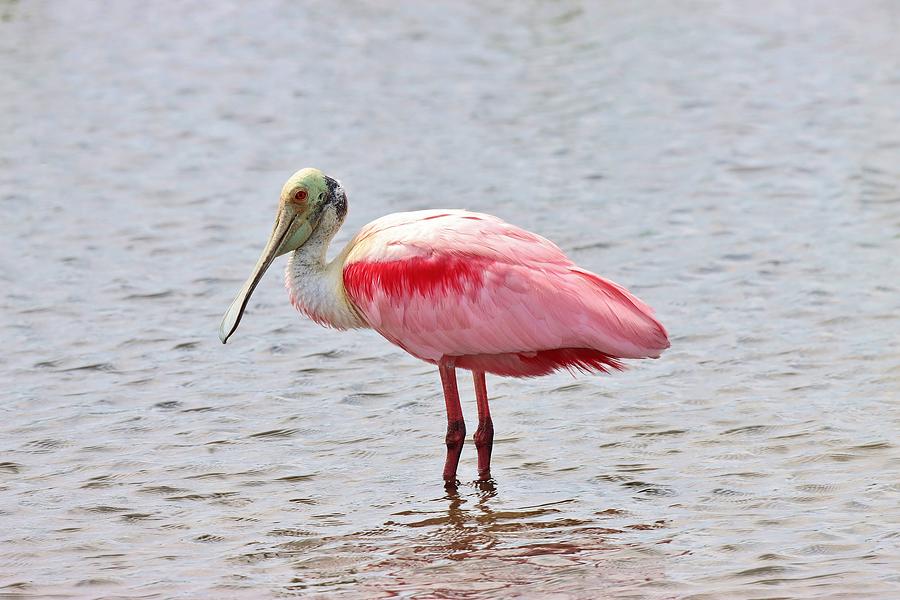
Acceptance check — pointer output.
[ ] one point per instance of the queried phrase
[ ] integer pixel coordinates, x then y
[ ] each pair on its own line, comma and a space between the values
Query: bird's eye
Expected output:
300, 195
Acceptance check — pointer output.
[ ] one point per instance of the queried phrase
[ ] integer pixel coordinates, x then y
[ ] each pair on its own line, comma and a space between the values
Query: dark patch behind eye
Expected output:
338, 200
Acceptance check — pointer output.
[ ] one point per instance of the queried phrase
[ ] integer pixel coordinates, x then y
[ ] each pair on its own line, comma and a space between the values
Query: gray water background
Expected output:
735, 164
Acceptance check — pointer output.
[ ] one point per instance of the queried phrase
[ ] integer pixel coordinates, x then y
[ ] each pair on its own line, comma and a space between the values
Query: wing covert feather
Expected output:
455, 283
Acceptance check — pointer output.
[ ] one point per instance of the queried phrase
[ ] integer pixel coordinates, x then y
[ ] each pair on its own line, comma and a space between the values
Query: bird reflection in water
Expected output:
472, 538
463, 528
473, 524
486, 549
468, 528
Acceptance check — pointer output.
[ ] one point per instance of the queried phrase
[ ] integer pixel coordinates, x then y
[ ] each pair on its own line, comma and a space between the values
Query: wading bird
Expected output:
457, 289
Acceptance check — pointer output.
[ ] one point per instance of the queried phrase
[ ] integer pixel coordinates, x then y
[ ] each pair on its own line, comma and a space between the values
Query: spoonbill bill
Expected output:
457, 289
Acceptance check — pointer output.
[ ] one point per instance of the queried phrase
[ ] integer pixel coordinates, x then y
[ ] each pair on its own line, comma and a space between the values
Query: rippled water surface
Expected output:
737, 165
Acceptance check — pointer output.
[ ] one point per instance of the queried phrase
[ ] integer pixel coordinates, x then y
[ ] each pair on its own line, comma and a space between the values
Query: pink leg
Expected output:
456, 426
484, 435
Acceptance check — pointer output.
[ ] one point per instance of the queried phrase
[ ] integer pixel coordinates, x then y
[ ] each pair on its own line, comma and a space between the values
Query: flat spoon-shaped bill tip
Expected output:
232, 317
274, 247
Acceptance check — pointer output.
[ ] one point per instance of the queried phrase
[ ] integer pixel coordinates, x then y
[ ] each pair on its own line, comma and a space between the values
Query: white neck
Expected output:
317, 288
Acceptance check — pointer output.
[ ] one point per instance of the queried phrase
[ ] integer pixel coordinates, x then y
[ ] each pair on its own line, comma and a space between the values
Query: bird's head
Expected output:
305, 199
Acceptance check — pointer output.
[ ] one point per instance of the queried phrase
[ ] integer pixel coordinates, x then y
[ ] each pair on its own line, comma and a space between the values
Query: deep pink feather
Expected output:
496, 297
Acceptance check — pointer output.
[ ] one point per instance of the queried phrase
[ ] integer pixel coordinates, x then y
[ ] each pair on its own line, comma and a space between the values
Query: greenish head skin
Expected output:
303, 200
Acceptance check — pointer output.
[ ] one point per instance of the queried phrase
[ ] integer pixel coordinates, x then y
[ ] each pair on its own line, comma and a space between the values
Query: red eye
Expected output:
300, 195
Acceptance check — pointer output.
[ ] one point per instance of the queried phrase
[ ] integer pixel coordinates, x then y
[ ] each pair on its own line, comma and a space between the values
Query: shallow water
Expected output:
737, 167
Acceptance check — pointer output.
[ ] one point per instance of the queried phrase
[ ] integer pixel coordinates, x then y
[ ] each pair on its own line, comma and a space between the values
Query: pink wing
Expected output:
501, 299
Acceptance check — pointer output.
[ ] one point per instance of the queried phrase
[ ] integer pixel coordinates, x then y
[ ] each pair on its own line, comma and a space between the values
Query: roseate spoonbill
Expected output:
456, 289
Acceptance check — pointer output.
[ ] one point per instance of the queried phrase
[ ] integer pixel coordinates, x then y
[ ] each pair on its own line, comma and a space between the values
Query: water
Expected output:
737, 166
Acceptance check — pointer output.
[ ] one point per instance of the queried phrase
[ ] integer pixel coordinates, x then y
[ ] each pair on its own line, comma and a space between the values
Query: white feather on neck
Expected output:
317, 288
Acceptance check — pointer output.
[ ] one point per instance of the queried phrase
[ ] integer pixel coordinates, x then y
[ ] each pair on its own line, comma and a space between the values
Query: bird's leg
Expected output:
484, 435
456, 426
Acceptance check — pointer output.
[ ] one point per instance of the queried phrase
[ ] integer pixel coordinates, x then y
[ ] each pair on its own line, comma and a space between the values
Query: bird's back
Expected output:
453, 231
502, 299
